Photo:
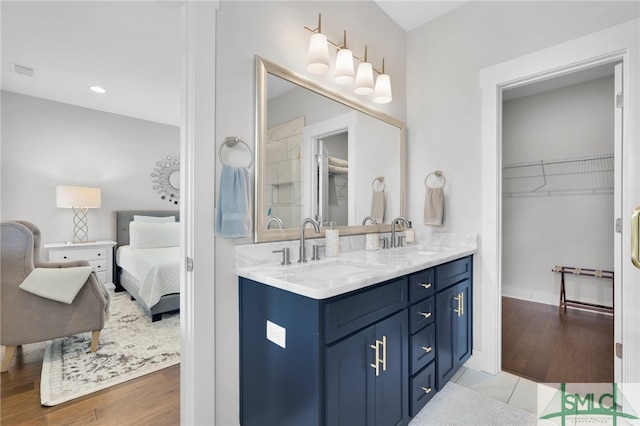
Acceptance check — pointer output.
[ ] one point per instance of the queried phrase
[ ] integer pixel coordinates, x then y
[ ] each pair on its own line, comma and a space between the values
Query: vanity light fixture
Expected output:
382, 91
318, 58
364, 78
318, 63
344, 73
98, 89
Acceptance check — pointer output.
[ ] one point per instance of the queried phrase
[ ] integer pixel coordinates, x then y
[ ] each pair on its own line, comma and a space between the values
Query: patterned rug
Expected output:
130, 346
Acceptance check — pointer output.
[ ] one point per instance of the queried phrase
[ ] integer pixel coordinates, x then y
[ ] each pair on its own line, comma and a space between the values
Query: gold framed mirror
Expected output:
322, 155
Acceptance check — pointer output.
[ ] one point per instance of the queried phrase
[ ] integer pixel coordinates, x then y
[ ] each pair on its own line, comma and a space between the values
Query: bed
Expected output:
147, 261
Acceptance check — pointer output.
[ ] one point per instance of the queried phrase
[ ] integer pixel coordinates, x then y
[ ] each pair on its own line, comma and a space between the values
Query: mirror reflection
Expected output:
323, 157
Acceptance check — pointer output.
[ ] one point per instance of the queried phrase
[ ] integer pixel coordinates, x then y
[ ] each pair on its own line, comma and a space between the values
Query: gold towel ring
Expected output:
439, 174
231, 141
379, 178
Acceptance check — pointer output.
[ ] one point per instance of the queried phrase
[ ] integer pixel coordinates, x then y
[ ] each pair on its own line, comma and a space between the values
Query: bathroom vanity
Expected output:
367, 338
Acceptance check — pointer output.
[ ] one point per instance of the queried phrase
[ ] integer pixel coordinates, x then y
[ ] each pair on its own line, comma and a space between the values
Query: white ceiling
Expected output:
132, 49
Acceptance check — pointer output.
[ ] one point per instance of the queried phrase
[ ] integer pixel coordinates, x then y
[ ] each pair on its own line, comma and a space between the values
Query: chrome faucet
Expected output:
395, 221
369, 218
275, 220
316, 228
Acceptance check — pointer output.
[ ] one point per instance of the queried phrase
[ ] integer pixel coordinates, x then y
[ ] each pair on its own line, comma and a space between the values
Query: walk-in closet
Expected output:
558, 225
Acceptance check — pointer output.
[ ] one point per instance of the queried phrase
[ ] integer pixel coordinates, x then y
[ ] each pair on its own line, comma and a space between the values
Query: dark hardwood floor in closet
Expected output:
541, 345
153, 399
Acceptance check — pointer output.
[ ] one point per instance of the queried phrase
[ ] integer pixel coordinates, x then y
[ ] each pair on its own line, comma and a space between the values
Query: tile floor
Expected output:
506, 387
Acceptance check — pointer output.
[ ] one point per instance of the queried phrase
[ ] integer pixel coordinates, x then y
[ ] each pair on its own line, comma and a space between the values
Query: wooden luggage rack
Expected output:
597, 273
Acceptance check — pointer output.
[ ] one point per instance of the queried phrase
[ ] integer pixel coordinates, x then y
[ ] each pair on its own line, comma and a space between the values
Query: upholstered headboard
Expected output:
122, 219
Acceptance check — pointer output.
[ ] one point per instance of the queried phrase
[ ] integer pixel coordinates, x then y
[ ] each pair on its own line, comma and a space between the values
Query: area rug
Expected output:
130, 346
457, 405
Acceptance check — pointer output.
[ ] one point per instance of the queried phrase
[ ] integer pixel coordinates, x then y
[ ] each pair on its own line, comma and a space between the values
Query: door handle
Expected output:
635, 230
380, 344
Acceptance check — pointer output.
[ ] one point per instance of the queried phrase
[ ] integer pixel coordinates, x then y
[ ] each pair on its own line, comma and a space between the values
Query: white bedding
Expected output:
157, 270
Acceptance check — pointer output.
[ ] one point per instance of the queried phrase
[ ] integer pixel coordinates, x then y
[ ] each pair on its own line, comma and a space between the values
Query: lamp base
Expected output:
80, 225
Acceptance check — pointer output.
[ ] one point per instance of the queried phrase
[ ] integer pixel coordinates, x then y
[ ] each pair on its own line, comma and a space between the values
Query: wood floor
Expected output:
541, 345
153, 399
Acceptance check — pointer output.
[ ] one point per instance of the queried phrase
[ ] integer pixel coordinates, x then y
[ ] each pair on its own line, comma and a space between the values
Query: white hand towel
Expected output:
434, 206
377, 206
59, 284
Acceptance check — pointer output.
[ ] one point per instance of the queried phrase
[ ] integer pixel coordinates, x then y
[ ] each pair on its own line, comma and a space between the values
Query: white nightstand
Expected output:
98, 253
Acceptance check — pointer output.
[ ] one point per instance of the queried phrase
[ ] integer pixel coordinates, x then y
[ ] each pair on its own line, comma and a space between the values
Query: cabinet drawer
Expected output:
423, 387
86, 254
421, 315
103, 276
452, 273
421, 285
423, 348
351, 313
98, 265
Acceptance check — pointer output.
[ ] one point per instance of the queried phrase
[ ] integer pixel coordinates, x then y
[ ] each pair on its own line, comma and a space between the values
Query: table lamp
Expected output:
79, 198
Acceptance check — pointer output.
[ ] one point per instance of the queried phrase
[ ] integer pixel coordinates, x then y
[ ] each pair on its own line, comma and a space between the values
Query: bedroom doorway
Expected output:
558, 178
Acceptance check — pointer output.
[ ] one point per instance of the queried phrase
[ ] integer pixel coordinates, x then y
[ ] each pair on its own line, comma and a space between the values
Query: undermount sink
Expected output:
325, 269
416, 250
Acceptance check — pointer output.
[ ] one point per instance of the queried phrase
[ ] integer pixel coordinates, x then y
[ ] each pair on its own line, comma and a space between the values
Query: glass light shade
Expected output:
318, 58
364, 79
78, 196
344, 67
382, 92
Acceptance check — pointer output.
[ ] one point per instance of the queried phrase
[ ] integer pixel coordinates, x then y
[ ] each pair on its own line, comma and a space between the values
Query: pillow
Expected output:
154, 219
154, 234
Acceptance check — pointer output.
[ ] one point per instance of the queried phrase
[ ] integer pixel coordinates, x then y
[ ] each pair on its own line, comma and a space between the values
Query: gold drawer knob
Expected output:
426, 285
425, 314
427, 349
426, 390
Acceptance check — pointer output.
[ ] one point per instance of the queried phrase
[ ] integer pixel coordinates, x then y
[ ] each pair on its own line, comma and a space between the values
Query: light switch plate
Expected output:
277, 334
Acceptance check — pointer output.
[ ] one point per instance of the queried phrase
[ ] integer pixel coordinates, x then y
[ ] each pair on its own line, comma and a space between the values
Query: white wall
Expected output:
275, 31
573, 228
444, 108
46, 144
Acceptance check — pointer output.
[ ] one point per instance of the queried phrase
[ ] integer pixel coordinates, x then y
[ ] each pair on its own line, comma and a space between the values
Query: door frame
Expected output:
618, 43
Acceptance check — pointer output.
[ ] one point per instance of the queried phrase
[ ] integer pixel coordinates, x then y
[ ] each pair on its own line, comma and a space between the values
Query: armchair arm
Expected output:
69, 264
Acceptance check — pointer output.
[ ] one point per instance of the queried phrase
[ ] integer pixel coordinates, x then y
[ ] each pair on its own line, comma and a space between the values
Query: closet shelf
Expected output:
584, 174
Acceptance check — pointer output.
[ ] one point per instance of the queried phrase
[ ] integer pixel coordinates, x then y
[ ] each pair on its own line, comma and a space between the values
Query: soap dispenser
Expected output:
410, 235
332, 241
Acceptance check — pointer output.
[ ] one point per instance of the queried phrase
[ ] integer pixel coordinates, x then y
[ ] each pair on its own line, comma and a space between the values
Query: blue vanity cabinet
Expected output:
337, 361
373, 356
454, 337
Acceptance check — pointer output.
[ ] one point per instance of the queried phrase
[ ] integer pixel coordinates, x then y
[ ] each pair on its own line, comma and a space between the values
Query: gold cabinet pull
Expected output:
460, 299
425, 314
379, 360
426, 285
427, 349
635, 237
426, 390
377, 349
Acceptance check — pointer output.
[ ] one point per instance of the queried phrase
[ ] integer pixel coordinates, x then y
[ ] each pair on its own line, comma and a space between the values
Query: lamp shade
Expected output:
78, 196
382, 92
318, 57
364, 79
344, 67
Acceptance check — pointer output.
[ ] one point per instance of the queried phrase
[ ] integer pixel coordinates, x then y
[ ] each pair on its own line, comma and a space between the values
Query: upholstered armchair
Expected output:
28, 318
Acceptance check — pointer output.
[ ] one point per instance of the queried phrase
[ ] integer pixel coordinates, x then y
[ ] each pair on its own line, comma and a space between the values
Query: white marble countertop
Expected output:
356, 269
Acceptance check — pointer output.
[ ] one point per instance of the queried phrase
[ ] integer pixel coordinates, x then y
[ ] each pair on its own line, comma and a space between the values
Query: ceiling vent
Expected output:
23, 70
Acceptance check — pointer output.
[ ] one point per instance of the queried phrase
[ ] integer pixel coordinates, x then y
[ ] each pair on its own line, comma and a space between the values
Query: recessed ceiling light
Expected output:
98, 89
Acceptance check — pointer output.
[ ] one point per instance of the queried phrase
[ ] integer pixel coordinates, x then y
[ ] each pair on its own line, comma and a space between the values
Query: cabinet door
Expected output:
392, 384
350, 380
453, 330
463, 327
357, 392
445, 358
